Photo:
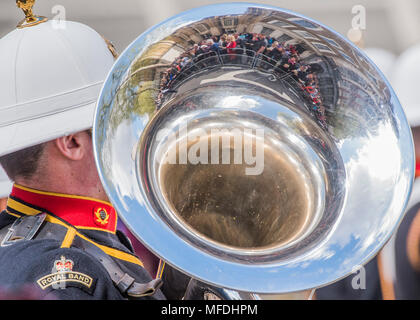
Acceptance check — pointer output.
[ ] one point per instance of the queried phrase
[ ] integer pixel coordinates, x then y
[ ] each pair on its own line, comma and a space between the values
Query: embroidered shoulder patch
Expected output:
62, 274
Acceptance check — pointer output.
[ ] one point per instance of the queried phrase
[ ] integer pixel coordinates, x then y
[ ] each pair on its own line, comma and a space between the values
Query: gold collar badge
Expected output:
101, 216
30, 19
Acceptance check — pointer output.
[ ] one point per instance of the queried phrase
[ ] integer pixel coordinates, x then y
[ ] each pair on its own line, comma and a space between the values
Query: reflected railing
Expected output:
244, 58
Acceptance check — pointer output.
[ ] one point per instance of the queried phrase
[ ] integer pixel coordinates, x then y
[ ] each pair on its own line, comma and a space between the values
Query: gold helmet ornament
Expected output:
30, 18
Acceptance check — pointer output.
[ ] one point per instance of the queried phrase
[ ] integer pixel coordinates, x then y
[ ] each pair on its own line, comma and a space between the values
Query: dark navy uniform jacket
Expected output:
54, 267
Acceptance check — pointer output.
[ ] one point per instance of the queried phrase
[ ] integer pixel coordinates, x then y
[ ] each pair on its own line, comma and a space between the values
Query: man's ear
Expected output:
73, 146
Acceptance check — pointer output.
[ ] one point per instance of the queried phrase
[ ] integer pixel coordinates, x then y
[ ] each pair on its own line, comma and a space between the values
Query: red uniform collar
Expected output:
81, 212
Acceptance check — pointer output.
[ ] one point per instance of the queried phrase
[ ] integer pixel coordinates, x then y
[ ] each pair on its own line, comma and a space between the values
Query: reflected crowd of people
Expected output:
254, 50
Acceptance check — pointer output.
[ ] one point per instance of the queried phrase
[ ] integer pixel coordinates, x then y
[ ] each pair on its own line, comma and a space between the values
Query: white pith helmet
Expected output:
405, 83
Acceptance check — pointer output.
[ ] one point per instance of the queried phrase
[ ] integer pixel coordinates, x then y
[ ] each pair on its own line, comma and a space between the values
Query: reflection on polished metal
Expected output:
227, 206
338, 156
30, 18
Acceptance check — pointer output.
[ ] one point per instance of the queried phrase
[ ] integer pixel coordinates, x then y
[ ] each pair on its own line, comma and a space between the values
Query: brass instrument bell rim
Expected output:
326, 262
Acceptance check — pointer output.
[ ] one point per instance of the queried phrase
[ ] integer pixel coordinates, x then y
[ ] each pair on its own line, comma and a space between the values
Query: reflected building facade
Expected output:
339, 71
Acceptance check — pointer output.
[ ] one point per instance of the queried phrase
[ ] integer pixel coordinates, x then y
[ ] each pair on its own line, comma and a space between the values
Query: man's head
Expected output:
50, 79
63, 165
23, 163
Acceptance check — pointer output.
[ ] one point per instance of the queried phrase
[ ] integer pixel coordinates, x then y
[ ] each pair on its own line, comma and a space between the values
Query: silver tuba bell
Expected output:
272, 165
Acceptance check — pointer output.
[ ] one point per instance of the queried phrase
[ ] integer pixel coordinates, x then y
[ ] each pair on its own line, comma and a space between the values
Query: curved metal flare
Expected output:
270, 167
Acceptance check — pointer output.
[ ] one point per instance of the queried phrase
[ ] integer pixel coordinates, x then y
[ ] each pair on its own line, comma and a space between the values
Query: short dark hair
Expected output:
22, 163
